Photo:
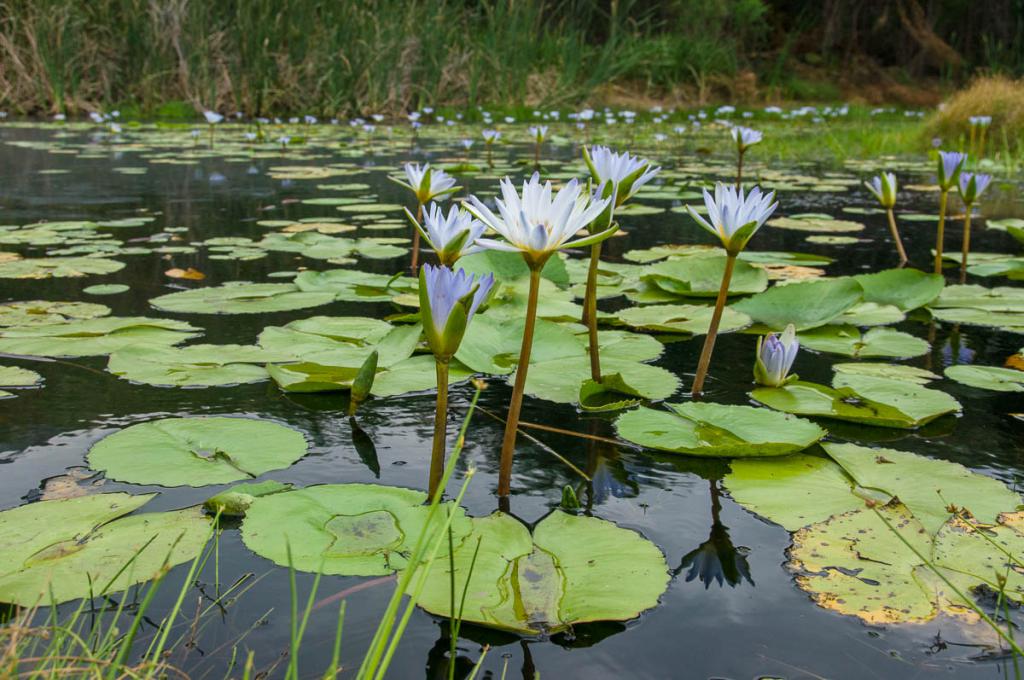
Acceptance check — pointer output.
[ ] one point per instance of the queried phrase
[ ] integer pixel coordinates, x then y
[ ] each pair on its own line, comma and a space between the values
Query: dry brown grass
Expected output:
996, 96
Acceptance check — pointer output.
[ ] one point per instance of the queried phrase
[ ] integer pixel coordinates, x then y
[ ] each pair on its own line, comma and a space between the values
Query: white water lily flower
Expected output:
451, 236
490, 136
733, 217
429, 184
537, 224
745, 137
538, 132
883, 187
212, 117
624, 173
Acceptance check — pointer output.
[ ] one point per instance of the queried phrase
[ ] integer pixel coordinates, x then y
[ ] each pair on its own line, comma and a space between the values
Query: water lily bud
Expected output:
948, 169
448, 300
883, 187
972, 185
363, 382
775, 356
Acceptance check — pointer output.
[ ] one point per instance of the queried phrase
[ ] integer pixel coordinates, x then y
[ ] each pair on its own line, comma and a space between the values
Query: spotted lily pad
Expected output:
88, 337
863, 399
988, 377
67, 549
240, 297
344, 529
718, 430
571, 570
196, 451
876, 342
42, 312
57, 267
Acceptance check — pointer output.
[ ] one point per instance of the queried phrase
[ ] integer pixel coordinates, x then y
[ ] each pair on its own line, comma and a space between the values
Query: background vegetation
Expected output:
350, 57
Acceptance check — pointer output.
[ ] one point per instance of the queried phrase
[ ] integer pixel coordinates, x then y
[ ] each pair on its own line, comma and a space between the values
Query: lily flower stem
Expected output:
440, 428
590, 312
416, 240
508, 444
970, 144
896, 237
716, 319
940, 233
536, 156
490, 158
967, 244
739, 172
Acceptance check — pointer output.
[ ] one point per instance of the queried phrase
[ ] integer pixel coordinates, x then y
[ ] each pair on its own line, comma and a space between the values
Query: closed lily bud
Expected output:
883, 187
775, 356
448, 300
948, 169
971, 185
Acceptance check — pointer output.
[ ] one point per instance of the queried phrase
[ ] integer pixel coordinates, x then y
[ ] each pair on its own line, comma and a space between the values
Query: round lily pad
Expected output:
571, 570
42, 312
876, 342
196, 451
67, 549
90, 337
987, 377
193, 366
718, 430
106, 289
344, 529
805, 304
57, 267
239, 297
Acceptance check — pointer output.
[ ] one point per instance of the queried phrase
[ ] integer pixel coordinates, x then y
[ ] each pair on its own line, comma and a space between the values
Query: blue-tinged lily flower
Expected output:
972, 185
775, 356
745, 137
429, 184
538, 132
883, 187
621, 173
537, 224
450, 236
490, 136
949, 166
733, 217
448, 300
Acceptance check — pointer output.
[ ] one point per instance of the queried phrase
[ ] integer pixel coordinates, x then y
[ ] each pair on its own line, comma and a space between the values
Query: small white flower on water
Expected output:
625, 173
212, 117
467, 144
427, 183
490, 136
451, 236
745, 137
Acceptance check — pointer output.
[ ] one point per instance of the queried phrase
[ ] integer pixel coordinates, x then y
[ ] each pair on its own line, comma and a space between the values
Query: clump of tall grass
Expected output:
1000, 97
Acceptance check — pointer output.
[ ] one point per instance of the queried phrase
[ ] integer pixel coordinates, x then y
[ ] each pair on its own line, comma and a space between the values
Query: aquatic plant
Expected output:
950, 164
451, 236
744, 138
734, 218
970, 186
536, 225
775, 356
427, 184
621, 176
490, 137
883, 187
212, 118
448, 300
538, 133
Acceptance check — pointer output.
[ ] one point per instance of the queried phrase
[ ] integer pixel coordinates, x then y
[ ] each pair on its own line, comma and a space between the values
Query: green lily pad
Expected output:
891, 371
904, 288
985, 377
572, 570
239, 297
717, 430
57, 267
351, 285
805, 304
42, 312
106, 289
702, 276
344, 529
89, 337
876, 342
869, 314
14, 376
196, 451
62, 550
861, 399
686, 319
193, 366
815, 222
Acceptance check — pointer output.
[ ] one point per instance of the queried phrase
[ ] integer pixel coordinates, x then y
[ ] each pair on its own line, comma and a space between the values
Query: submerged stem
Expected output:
940, 233
508, 444
590, 312
896, 237
716, 318
440, 427
416, 239
966, 246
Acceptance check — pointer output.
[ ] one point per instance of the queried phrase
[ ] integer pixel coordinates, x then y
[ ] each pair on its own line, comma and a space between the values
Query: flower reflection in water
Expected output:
716, 559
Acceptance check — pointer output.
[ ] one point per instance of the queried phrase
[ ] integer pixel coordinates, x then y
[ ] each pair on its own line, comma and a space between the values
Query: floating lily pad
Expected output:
904, 288
891, 371
90, 337
702, 276
805, 304
42, 312
193, 366
14, 376
861, 399
987, 377
105, 289
572, 570
718, 430
869, 314
877, 342
351, 285
67, 549
815, 222
344, 529
239, 297
688, 319
57, 267
196, 451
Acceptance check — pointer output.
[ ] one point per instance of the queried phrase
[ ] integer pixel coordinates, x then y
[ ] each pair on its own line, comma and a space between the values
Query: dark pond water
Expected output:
764, 626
